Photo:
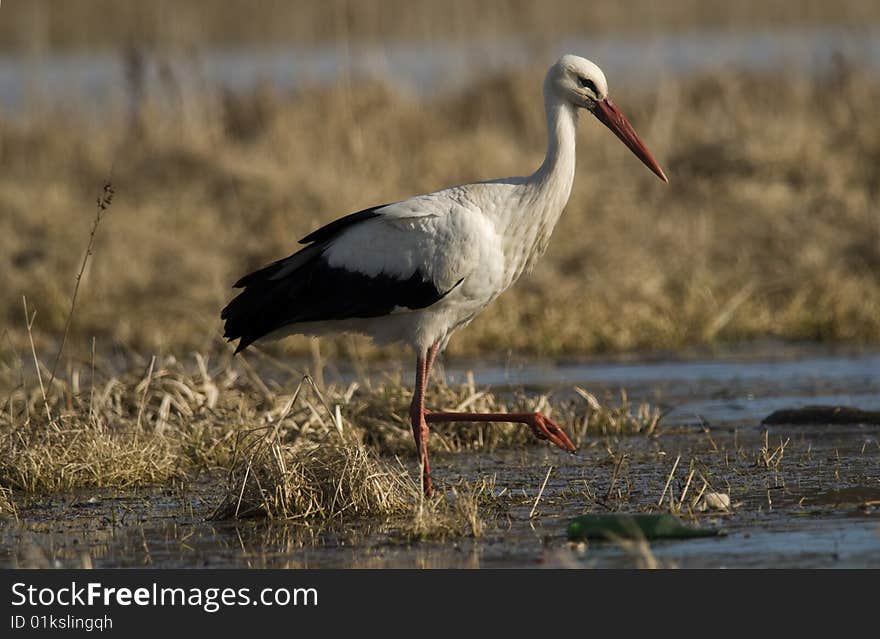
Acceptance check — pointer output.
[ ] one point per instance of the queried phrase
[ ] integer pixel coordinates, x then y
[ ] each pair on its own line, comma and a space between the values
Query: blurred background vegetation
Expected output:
230, 129
89, 24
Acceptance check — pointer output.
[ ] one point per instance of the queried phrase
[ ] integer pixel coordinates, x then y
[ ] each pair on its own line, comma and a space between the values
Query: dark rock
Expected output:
823, 415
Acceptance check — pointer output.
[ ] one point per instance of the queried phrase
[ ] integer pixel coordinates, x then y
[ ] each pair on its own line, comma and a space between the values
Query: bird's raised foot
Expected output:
542, 426
545, 428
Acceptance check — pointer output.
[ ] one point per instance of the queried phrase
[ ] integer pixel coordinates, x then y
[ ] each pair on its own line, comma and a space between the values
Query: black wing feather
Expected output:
331, 230
305, 288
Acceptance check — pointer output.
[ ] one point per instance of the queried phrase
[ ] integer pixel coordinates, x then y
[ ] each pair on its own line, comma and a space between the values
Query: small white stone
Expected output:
714, 501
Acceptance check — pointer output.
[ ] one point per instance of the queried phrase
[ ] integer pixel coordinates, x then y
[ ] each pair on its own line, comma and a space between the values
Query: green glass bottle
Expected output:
634, 526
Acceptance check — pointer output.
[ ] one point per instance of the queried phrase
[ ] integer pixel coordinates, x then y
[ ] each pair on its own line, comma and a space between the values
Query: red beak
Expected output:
609, 115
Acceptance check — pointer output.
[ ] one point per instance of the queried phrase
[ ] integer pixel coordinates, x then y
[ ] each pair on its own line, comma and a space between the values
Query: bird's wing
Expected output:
420, 206
396, 258
432, 236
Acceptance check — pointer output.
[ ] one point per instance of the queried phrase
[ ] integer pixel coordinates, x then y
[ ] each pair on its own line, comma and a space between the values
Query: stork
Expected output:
418, 270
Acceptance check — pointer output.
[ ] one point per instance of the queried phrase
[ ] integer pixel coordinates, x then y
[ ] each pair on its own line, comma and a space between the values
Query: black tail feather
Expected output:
248, 316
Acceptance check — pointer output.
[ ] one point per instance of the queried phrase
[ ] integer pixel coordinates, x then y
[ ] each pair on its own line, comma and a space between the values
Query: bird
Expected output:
418, 270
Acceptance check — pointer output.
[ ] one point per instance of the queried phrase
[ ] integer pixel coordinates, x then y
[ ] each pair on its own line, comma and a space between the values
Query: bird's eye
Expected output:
586, 83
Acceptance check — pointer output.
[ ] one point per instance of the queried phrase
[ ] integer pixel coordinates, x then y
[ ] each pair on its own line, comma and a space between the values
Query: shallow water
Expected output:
715, 391
818, 507
98, 80
779, 519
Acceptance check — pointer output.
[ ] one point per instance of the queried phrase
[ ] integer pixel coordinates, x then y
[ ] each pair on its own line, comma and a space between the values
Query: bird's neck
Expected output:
544, 194
553, 179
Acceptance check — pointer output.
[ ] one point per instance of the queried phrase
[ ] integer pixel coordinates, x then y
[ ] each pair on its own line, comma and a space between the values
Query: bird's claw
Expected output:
545, 428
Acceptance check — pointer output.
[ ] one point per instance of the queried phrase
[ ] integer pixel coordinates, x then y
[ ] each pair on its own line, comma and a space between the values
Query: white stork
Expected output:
418, 270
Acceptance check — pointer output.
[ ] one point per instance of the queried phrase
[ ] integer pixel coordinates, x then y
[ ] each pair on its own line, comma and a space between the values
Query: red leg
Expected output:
542, 426
417, 419
429, 364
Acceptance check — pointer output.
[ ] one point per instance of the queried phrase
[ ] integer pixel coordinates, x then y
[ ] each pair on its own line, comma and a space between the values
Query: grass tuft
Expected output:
313, 482
151, 422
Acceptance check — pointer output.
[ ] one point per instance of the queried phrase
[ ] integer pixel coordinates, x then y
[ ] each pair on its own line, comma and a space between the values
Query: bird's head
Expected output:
582, 84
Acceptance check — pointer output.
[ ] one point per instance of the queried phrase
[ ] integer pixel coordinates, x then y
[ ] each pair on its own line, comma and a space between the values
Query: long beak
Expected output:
609, 115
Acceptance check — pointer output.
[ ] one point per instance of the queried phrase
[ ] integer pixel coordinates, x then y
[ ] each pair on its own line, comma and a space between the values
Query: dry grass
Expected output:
768, 229
624, 418
341, 477
324, 457
280, 475
154, 421
309, 480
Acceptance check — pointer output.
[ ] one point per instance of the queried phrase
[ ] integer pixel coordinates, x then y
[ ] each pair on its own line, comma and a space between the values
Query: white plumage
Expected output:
418, 270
